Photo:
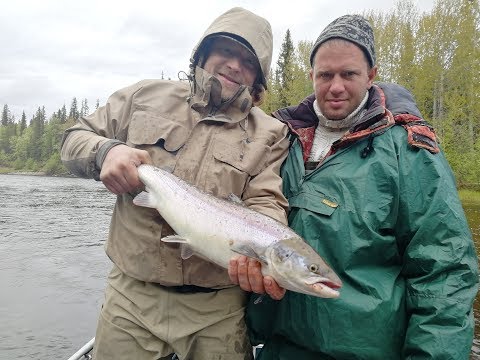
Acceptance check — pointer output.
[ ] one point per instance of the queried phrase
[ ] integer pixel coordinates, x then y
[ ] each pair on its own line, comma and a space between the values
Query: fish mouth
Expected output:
325, 287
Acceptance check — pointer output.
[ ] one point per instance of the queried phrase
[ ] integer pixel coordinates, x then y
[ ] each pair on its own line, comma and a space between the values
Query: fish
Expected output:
217, 229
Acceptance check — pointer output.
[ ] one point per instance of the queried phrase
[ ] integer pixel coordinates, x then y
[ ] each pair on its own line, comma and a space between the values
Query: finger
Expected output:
143, 157
273, 289
255, 276
233, 270
113, 186
242, 271
130, 175
110, 181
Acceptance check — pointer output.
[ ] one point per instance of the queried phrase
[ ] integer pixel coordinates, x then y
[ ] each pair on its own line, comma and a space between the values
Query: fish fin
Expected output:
249, 252
145, 199
174, 239
187, 252
234, 198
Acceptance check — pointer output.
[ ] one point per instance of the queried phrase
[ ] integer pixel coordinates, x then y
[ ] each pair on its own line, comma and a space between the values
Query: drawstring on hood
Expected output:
369, 148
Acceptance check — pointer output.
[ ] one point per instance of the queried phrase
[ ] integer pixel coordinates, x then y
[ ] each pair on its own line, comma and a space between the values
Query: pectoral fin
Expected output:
174, 239
186, 251
145, 199
234, 198
249, 252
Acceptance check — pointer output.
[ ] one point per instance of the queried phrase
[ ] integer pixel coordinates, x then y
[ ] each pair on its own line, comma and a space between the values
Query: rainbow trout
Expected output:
218, 229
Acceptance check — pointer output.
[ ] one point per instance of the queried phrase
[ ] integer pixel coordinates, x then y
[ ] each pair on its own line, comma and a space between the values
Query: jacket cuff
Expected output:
104, 149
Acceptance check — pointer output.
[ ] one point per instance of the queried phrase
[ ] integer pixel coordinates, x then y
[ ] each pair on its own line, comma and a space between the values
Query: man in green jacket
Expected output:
370, 190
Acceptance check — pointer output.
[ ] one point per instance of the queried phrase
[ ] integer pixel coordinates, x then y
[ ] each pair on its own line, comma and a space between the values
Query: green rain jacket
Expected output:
384, 212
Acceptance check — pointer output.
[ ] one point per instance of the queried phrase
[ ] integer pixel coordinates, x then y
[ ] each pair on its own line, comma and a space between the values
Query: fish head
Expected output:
295, 265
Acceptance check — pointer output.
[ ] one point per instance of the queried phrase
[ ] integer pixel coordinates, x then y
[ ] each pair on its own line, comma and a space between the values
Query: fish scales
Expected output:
264, 229
217, 229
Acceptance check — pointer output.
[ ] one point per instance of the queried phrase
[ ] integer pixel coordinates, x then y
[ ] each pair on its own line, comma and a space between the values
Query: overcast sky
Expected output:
54, 50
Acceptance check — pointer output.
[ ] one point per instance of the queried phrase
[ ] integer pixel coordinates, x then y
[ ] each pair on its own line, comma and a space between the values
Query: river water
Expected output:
53, 267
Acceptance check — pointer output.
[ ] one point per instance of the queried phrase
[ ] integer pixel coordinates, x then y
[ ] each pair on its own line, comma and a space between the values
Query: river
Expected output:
53, 267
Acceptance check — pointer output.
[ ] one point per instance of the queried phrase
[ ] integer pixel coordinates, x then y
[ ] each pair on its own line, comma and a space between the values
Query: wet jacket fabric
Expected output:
392, 227
222, 148
238, 152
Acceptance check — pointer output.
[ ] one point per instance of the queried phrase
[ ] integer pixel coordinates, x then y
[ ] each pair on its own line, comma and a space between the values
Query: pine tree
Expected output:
37, 125
23, 123
284, 71
84, 110
74, 114
5, 116
63, 114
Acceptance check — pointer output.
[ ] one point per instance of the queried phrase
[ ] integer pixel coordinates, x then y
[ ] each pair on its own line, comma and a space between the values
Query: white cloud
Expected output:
54, 50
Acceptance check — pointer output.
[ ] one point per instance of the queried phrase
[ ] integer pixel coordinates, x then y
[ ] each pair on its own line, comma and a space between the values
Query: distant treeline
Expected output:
35, 147
436, 55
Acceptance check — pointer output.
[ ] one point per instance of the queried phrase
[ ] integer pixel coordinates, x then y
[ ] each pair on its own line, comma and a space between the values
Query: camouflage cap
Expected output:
354, 28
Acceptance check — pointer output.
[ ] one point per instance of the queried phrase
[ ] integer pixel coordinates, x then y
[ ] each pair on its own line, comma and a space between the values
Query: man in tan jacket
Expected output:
210, 132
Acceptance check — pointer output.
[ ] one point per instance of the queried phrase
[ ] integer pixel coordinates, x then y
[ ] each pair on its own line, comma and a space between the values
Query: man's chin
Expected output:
334, 116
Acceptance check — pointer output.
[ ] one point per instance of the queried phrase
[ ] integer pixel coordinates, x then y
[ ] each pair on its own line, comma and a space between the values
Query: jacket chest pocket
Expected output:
234, 163
313, 201
147, 128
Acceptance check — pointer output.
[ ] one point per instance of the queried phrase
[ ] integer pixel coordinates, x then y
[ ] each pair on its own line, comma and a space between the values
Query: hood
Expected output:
254, 30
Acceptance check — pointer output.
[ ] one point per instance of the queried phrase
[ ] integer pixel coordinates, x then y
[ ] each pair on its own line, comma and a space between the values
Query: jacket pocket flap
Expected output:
148, 129
313, 201
250, 157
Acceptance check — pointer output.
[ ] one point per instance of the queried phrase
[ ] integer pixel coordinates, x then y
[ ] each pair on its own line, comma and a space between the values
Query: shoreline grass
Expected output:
469, 195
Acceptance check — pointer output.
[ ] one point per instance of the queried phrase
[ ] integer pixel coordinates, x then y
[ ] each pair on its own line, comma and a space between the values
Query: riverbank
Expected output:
11, 171
464, 194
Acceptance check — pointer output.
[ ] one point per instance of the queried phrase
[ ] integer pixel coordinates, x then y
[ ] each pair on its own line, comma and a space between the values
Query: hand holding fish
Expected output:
247, 273
119, 170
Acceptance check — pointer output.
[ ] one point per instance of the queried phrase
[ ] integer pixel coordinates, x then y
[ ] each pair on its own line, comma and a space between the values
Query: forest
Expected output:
435, 54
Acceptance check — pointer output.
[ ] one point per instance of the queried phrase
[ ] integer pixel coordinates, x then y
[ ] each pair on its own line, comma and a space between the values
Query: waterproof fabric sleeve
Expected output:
439, 261
261, 193
107, 126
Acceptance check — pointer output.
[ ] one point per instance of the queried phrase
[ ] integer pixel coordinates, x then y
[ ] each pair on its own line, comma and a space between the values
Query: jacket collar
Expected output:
208, 102
302, 121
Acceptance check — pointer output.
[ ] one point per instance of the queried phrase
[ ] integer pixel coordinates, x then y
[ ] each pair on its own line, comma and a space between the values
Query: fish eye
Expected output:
313, 268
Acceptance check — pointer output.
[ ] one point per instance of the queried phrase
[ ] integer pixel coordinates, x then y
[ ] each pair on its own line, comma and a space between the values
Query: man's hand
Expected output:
247, 273
119, 169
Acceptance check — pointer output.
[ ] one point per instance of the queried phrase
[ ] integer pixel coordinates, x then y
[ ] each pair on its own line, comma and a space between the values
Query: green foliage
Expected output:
54, 165
31, 165
437, 57
285, 70
289, 87
35, 147
4, 162
5, 116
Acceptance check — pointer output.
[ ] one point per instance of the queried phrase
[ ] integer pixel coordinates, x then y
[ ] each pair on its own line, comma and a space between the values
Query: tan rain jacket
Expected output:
224, 149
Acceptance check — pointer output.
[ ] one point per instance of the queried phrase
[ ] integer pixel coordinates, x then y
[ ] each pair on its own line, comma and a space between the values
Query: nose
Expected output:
337, 86
234, 63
